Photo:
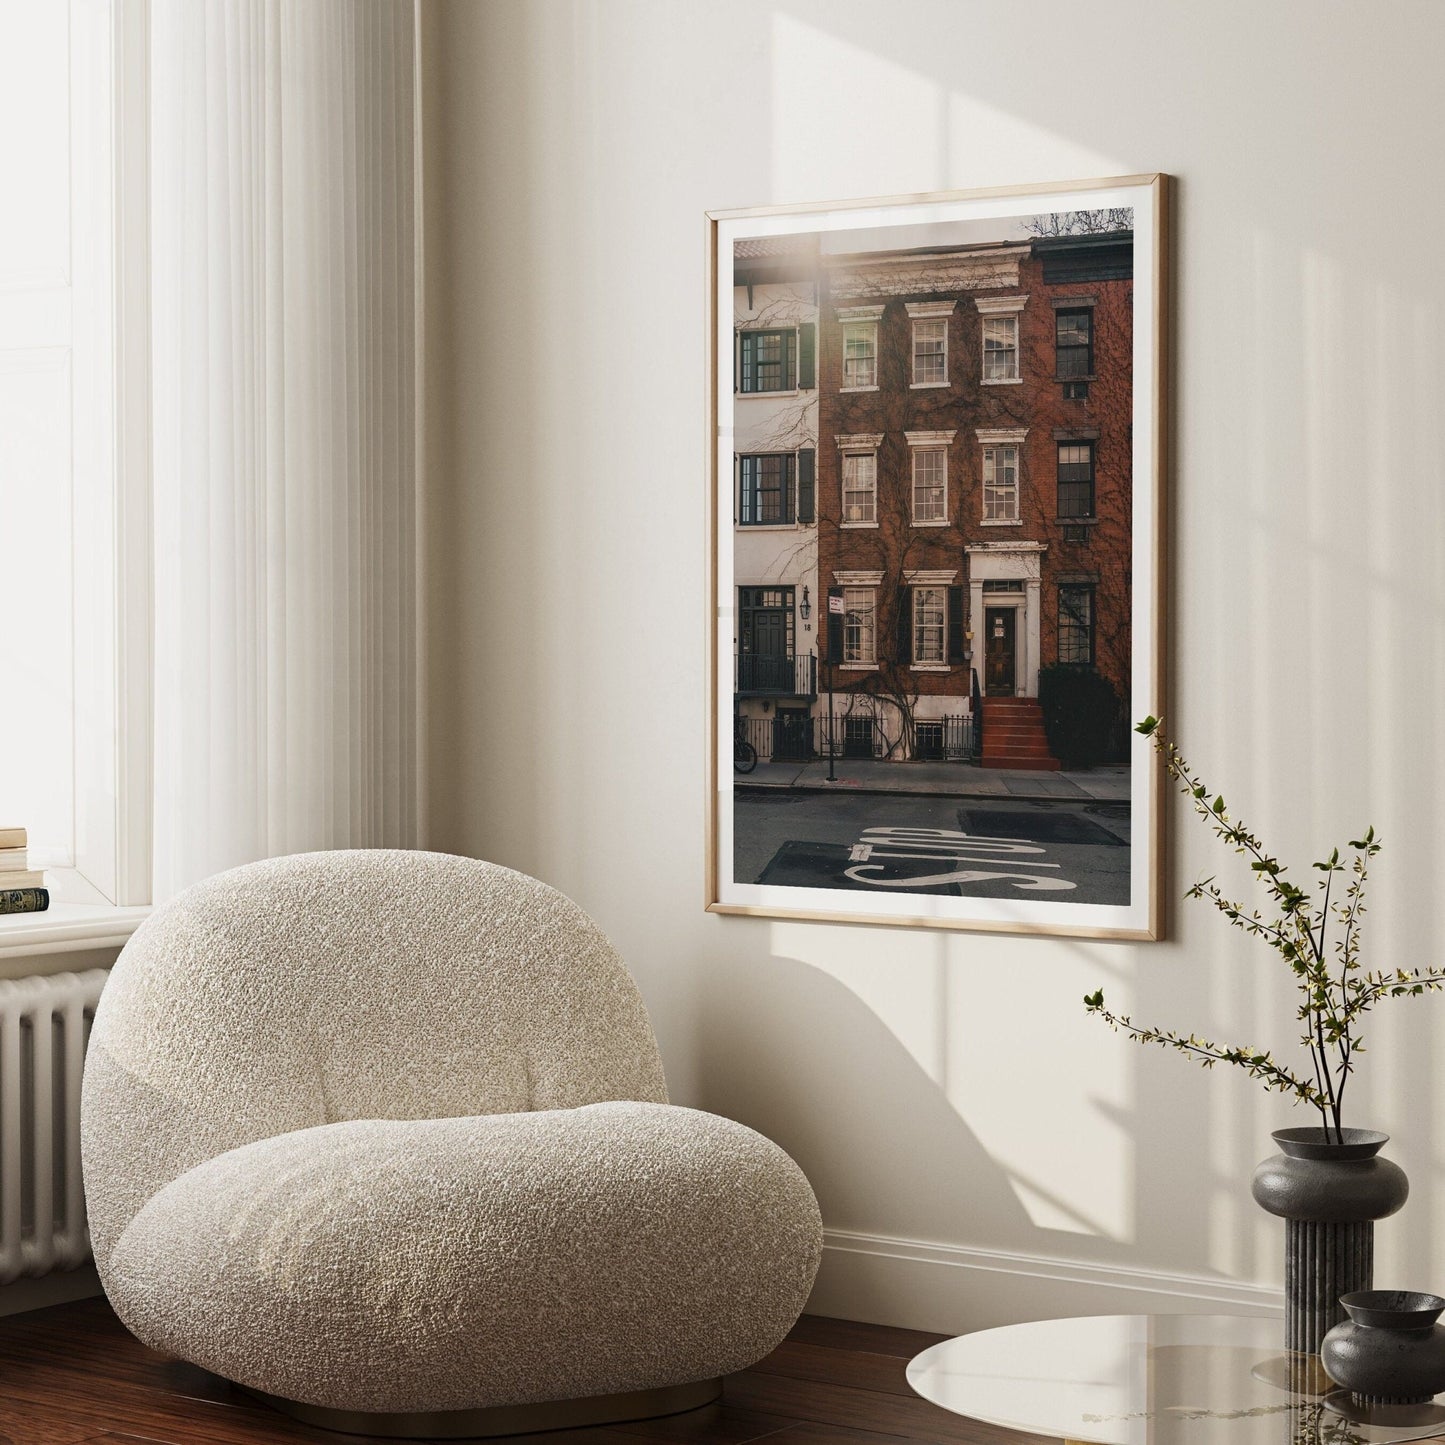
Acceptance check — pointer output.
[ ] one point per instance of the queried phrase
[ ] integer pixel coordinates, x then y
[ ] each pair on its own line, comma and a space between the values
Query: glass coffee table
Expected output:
1156, 1380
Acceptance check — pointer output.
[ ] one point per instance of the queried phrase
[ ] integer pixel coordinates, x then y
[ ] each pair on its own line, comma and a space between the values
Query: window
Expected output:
74, 730
1076, 624
860, 488
766, 489
1074, 342
860, 354
930, 352
858, 609
1000, 348
930, 484
930, 621
769, 360
1076, 479
1001, 484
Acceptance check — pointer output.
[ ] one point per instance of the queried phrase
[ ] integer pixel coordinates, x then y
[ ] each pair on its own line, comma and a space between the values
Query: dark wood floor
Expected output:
73, 1374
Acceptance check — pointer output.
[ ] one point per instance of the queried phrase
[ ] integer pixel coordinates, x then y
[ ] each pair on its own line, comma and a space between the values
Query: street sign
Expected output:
835, 604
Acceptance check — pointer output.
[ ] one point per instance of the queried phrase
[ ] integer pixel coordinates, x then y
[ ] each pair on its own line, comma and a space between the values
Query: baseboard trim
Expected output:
58, 1288
952, 1288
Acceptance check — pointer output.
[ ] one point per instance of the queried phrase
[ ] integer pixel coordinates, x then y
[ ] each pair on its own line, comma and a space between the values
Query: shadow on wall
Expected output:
1038, 1219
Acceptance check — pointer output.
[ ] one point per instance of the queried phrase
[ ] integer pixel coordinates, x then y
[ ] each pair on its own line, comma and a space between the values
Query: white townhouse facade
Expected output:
775, 512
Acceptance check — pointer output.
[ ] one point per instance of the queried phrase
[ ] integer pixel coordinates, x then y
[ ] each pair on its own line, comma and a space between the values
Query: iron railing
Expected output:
759, 674
790, 739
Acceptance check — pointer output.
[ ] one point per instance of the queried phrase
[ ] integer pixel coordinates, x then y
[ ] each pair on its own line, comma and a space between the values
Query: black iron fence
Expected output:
785, 738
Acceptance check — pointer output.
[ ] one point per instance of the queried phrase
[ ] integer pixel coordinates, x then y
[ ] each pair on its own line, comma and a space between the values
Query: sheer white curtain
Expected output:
284, 262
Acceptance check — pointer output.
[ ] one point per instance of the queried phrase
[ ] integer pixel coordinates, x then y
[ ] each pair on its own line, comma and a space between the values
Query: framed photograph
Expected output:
937, 431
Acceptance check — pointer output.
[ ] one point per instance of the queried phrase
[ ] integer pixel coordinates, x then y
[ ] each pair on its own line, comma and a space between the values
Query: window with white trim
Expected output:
74, 730
930, 351
930, 484
1001, 348
860, 355
930, 624
1000, 484
859, 607
860, 488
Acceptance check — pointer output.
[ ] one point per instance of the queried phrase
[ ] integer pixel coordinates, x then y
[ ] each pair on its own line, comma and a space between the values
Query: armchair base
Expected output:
503, 1419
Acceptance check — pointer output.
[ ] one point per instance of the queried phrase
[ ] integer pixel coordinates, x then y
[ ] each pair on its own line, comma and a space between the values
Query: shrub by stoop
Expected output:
1081, 714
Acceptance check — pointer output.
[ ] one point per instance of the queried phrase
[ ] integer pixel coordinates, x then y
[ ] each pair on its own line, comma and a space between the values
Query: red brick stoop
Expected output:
1013, 735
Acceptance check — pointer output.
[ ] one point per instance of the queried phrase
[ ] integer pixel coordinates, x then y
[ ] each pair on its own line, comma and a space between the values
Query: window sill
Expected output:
1001, 381
791, 391
930, 667
942, 522
843, 390
1001, 522
857, 667
927, 385
857, 526
1077, 521
770, 526
68, 927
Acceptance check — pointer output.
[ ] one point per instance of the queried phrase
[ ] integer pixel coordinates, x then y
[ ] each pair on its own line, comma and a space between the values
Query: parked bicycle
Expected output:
745, 755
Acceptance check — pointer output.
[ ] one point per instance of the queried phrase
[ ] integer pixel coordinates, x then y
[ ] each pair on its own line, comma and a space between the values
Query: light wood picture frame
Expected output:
937, 436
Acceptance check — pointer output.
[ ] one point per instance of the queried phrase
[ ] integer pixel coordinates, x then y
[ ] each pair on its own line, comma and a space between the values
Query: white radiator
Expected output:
44, 1026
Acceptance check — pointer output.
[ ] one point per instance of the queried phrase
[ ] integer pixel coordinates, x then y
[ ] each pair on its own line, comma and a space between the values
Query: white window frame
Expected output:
852, 447
997, 309
930, 664
866, 319
931, 442
99, 900
993, 439
928, 313
861, 661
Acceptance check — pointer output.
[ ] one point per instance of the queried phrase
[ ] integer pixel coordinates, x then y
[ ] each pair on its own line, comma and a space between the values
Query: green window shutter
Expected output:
808, 356
748, 488
955, 625
905, 626
748, 343
807, 473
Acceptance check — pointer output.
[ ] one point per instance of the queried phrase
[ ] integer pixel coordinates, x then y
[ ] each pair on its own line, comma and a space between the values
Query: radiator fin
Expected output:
44, 1028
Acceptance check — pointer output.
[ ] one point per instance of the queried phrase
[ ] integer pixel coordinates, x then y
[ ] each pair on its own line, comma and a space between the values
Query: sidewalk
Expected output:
939, 780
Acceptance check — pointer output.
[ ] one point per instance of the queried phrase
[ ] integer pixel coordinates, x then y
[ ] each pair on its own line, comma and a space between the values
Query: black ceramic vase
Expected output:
1390, 1351
1329, 1189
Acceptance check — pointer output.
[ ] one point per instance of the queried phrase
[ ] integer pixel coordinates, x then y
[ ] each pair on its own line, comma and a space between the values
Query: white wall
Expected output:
936, 1088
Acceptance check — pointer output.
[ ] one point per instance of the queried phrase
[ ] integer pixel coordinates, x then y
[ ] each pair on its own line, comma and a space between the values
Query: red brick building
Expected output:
974, 465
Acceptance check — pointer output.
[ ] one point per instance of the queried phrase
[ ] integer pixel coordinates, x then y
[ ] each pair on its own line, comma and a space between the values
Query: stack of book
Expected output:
22, 888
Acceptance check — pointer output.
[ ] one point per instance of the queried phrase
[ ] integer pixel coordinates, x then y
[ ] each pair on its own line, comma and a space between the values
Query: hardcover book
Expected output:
24, 900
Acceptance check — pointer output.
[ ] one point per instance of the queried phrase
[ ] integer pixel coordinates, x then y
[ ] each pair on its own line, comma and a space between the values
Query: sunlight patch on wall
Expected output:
1059, 1135
900, 131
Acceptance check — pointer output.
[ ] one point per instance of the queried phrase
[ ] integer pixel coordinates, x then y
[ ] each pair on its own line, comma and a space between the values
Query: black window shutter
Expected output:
806, 485
746, 342
955, 625
905, 626
835, 628
807, 355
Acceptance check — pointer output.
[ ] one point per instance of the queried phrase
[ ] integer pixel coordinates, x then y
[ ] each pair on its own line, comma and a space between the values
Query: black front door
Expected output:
766, 617
792, 740
999, 655
857, 737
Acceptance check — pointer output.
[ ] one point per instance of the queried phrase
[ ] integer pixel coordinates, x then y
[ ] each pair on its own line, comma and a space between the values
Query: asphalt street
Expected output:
1065, 850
